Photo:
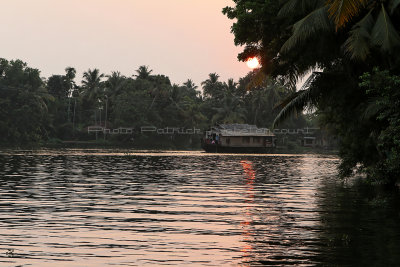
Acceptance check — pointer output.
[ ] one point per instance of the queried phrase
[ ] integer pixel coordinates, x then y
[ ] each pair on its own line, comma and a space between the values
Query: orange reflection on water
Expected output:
250, 175
247, 233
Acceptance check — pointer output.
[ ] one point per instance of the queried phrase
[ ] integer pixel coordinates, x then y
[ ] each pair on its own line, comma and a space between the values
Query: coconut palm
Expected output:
212, 87
371, 23
70, 74
113, 86
93, 93
230, 87
313, 20
91, 83
230, 110
342, 11
159, 88
114, 83
307, 97
143, 72
371, 26
191, 86
264, 98
374, 29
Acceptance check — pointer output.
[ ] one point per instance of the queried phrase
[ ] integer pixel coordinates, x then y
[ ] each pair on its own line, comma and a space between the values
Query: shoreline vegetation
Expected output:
57, 111
350, 52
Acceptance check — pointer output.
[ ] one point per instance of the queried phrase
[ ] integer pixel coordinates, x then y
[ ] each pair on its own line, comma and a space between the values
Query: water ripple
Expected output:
183, 208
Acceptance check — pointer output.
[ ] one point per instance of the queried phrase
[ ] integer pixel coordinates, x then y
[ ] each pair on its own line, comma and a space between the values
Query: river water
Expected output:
97, 208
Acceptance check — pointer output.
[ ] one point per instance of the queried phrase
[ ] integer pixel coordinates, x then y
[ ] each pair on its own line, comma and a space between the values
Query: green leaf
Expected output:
394, 5
357, 45
343, 10
315, 22
384, 34
298, 101
296, 7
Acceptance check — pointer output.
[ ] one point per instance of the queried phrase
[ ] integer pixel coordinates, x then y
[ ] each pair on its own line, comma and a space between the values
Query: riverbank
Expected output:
151, 144
122, 148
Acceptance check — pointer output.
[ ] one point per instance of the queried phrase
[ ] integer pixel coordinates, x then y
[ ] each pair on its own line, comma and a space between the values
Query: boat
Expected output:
238, 138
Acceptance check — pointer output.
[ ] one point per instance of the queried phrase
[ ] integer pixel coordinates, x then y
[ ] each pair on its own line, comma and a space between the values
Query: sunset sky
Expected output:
179, 38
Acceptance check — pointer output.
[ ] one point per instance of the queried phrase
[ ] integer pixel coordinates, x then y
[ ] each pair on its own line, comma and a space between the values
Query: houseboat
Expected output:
238, 138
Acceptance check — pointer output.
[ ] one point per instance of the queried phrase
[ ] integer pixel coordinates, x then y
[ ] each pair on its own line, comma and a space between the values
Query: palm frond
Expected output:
314, 22
357, 45
341, 11
297, 101
372, 109
288, 8
307, 84
384, 34
292, 8
394, 4
297, 104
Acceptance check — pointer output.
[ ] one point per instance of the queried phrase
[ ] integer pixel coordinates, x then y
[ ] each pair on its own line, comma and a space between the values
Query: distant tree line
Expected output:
36, 110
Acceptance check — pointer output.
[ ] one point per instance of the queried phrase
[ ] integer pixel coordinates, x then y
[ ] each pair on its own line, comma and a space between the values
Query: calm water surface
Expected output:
96, 208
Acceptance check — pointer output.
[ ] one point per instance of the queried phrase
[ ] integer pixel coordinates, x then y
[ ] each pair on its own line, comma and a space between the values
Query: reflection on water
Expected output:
250, 176
187, 208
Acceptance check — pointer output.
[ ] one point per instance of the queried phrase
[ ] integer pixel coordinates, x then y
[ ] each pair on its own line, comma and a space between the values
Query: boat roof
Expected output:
241, 130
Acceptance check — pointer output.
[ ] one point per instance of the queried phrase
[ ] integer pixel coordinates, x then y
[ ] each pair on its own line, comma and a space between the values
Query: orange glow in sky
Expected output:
253, 63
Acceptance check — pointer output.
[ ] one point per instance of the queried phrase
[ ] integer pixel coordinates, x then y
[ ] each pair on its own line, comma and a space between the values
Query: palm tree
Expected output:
230, 87
70, 74
307, 97
92, 86
113, 87
342, 11
264, 98
212, 88
314, 20
374, 29
176, 94
160, 88
114, 83
193, 114
371, 23
230, 110
371, 26
191, 86
93, 91
143, 72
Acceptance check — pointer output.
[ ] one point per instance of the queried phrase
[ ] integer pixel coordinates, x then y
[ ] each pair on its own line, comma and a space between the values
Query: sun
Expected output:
253, 63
